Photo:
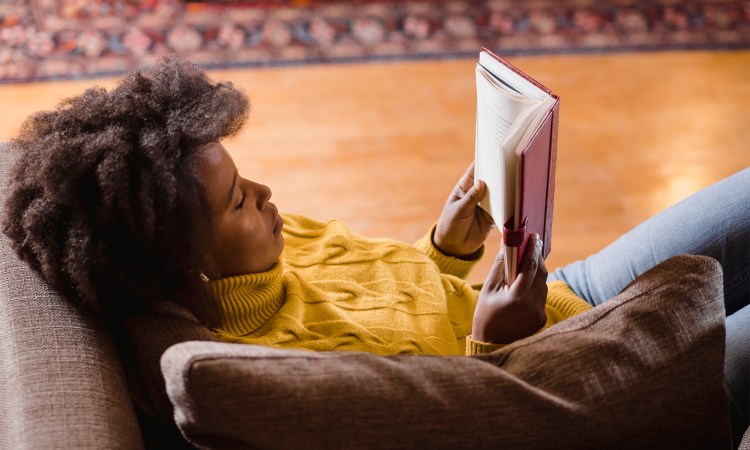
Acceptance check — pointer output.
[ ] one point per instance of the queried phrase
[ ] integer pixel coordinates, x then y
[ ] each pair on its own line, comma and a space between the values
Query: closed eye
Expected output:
242, 202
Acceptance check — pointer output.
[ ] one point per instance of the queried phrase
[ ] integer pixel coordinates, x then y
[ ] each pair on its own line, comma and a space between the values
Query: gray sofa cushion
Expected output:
61, 384
644, 370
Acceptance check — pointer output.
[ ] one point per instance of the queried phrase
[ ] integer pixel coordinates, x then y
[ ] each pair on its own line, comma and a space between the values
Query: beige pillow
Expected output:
644, 370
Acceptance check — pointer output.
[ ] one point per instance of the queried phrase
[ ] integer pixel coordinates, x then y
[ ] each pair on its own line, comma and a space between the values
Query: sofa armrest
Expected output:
62, 385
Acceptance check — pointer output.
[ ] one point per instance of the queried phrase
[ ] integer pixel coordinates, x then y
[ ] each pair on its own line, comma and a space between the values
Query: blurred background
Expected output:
364, 110
52, 39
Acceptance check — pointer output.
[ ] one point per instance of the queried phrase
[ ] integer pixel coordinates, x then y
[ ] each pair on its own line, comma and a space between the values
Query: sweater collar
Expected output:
248, 301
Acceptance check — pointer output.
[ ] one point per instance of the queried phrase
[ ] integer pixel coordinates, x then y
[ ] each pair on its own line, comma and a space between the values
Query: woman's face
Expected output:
247, 227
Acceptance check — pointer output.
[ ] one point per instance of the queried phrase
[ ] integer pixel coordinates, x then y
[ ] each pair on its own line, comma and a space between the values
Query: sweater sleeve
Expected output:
447, 264
562, 303
478, 347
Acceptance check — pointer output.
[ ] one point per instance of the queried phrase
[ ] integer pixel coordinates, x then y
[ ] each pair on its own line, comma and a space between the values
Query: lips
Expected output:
278, 224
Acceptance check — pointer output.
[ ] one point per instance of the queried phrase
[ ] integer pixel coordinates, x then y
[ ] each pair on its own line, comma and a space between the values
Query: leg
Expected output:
713, 222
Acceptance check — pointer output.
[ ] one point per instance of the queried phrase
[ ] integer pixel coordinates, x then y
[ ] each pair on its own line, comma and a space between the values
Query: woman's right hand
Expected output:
506, 313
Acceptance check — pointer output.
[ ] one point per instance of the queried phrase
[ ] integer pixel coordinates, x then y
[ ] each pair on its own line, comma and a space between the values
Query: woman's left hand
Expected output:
463, 226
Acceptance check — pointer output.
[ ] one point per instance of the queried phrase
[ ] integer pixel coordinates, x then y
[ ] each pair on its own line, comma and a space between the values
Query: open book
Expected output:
515, 154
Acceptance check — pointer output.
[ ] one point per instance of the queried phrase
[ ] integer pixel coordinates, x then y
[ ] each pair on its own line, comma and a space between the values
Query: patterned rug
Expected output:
55, 39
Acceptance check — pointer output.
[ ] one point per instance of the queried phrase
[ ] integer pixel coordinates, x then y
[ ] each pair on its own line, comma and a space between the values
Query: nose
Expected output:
262, 195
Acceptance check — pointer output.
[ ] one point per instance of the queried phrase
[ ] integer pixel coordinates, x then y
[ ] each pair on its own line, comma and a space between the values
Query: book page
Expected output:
535, 117
519, 83
502, 120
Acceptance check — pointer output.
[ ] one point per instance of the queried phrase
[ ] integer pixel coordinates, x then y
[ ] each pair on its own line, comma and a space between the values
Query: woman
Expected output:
127, 197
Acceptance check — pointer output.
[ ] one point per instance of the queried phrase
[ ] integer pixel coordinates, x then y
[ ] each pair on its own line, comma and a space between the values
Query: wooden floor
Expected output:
380, 145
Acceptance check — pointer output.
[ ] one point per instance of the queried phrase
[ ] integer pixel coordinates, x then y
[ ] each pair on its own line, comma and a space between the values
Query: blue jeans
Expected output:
714, 222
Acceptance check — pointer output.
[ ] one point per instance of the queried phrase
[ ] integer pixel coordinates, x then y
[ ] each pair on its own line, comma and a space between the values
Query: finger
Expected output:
466, 181
470, 170
540, 280
496, 276
529, 263
541, 271
473, 196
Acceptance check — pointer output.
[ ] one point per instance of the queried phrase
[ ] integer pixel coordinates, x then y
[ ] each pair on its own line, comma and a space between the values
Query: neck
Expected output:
249, 301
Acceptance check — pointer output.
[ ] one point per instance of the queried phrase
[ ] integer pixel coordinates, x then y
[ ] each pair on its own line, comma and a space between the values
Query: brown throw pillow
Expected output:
644, 370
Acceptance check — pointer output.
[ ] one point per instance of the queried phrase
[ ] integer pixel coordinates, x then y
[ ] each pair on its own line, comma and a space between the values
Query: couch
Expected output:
642, 371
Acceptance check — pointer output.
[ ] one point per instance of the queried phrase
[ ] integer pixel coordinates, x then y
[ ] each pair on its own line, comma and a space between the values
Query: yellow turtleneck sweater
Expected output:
336, 290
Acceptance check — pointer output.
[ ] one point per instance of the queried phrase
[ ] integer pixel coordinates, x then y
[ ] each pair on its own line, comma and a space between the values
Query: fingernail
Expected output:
539, 242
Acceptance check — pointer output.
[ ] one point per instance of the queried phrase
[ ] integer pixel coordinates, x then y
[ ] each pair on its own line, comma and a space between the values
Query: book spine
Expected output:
551, 178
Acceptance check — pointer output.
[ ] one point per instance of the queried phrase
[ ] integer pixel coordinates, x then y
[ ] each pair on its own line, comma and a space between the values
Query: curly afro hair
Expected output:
105, 201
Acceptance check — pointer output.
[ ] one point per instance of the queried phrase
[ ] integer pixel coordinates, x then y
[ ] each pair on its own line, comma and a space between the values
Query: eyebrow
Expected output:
230, 194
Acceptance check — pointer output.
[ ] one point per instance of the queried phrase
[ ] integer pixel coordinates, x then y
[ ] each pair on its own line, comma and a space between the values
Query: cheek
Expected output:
242, 247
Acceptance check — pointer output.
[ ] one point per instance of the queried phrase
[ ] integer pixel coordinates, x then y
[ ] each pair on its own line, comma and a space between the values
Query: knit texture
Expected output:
249, 301
336, 290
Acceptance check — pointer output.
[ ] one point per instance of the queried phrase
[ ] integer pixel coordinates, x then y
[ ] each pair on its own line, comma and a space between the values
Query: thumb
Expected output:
496, 276
474, 195
530, 262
